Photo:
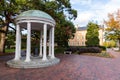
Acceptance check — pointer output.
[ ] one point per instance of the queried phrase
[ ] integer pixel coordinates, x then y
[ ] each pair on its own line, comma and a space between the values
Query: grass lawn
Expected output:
59, 50
9, 50
102, 54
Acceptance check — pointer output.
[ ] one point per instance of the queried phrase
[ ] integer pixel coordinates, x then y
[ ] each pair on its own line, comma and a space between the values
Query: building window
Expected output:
77, 37
82, 37
82, 43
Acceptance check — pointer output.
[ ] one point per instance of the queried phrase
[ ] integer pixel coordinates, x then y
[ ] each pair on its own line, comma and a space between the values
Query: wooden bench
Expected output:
68, 51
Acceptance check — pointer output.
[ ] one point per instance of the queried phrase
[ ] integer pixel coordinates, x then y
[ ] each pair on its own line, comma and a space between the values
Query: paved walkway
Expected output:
116, 54
71, 67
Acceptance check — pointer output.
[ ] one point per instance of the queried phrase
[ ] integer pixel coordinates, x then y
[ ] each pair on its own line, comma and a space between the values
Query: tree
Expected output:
10, 39
113, 27
58, 10
9, 9
109, 44
92, 34
64, 33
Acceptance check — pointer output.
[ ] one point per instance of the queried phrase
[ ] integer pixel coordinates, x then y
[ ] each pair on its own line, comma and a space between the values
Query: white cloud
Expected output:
84, 17
82, 2
97, 11
74, 1
112, 6
85, 2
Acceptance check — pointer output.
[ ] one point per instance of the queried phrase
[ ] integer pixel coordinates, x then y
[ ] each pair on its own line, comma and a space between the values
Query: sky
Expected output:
93, 10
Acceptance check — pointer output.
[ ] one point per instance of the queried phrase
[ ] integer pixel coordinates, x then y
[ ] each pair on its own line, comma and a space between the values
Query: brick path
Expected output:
71, 67
114, 53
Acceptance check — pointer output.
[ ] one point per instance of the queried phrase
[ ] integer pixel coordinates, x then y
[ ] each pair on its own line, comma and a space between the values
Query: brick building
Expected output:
80, 36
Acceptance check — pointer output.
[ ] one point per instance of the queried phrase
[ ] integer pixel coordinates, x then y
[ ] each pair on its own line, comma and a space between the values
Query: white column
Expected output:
50, 39
40, 54
44, 43
17, 43
28, 42
20, 44
53, 56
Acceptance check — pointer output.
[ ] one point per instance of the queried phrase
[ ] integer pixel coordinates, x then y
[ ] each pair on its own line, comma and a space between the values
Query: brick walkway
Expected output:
71, 67
114, 53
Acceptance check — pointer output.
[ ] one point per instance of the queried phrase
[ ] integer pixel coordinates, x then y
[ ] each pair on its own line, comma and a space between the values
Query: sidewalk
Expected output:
71, 67
116, 54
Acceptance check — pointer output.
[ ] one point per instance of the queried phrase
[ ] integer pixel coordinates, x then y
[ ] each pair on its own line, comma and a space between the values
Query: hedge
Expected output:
84, 49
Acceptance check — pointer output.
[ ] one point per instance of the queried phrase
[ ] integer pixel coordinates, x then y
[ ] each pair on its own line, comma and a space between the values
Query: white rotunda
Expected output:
40, 21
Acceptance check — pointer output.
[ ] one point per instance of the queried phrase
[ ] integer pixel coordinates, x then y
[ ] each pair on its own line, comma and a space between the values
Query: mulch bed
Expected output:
6, 54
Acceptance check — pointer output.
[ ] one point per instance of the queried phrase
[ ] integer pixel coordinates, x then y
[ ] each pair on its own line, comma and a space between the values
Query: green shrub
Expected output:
84, 49
74, 48
89, 50
59, 49
109, 44
103, 48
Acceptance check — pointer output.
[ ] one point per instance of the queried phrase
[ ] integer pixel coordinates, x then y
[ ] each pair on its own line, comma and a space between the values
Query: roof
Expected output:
85, 28
35, 13
81, 28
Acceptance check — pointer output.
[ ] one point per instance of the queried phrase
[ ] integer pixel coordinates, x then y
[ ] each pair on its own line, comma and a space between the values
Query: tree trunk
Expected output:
3, 38
119, 43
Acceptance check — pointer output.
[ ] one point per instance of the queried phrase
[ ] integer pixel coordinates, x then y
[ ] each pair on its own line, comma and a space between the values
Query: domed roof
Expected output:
35, 13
